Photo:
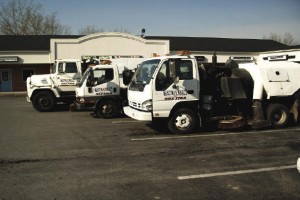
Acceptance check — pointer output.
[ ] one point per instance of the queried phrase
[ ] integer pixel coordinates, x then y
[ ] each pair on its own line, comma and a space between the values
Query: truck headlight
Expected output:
81, 100
147, 105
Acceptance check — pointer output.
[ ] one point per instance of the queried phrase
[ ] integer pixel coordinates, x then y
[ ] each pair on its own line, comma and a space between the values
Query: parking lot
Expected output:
72, 155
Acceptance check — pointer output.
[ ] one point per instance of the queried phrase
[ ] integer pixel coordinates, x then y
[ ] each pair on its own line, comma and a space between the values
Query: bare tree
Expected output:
23, 17
121, 30
287, 38
90, 30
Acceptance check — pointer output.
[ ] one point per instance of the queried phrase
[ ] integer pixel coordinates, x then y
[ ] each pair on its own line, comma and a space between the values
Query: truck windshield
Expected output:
143, 74
84, 76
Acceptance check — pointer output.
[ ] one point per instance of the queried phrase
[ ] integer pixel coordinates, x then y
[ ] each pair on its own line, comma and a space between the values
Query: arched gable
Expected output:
107, 44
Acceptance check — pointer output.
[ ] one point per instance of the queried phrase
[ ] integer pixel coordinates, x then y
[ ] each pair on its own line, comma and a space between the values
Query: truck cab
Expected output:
153, 92
44, 91
104, 87
100, 89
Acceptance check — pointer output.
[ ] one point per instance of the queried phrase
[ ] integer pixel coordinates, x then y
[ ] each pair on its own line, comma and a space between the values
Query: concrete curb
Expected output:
13, 94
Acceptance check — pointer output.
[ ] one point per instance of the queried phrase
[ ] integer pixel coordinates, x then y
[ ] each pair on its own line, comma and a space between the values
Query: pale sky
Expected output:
195, 18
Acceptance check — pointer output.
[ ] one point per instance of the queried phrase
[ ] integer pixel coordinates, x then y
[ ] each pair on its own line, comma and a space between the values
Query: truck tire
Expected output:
107, 109
183, 121
278, 115
44, 101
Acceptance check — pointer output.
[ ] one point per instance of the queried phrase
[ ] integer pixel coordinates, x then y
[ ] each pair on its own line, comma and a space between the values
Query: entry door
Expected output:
5, 81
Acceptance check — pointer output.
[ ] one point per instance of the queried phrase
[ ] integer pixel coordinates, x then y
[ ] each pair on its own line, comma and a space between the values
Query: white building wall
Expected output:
104, 44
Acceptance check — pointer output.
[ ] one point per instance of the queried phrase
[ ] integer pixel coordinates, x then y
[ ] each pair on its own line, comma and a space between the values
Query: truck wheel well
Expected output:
41, 90
189, 105
287, 101
113, 98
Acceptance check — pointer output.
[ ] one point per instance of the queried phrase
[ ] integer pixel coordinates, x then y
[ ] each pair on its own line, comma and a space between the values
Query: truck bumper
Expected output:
138, 115
28, 99
82, 106
298, 164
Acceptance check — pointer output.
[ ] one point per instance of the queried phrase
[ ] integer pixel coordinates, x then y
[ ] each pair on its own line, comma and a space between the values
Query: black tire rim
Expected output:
44, 102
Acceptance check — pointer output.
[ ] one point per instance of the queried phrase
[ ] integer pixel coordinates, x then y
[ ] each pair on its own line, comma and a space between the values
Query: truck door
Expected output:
106, 82
64, 78
166, 93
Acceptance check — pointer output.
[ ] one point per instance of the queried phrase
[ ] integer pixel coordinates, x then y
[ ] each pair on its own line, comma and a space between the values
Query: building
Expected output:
22, 56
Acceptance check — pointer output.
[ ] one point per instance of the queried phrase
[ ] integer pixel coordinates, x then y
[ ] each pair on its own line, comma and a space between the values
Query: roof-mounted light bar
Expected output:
184, 53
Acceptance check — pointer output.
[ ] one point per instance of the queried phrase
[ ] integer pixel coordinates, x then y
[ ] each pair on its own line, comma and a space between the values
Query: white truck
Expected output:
260, 94
44, 91
104, 87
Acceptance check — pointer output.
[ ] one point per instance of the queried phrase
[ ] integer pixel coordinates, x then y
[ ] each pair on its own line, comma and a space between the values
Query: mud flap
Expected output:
258, 116
261, 124
295, 110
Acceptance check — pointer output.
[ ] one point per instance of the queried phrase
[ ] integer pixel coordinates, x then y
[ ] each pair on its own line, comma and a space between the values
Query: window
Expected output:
27, 73
185, 70
103, 75
53, 69
163, 80
71, 67
5, 76
60, 67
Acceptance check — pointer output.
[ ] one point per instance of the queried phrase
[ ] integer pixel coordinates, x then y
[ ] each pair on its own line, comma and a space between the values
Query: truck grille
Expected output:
135, 104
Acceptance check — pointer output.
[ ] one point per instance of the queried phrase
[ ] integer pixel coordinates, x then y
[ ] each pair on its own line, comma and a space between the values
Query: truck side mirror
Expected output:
176, 80
127, 75
91, 79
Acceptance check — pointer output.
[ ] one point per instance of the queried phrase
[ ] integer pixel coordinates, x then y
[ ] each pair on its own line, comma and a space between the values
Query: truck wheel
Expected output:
43, 101
107, 109
183, 121
278, 115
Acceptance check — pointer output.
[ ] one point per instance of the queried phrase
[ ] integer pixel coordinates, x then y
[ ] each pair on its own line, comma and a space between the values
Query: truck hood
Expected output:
39, 80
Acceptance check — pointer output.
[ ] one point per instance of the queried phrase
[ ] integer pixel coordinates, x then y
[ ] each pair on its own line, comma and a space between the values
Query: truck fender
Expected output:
48, 89
114, 98
193, 105
258, 89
